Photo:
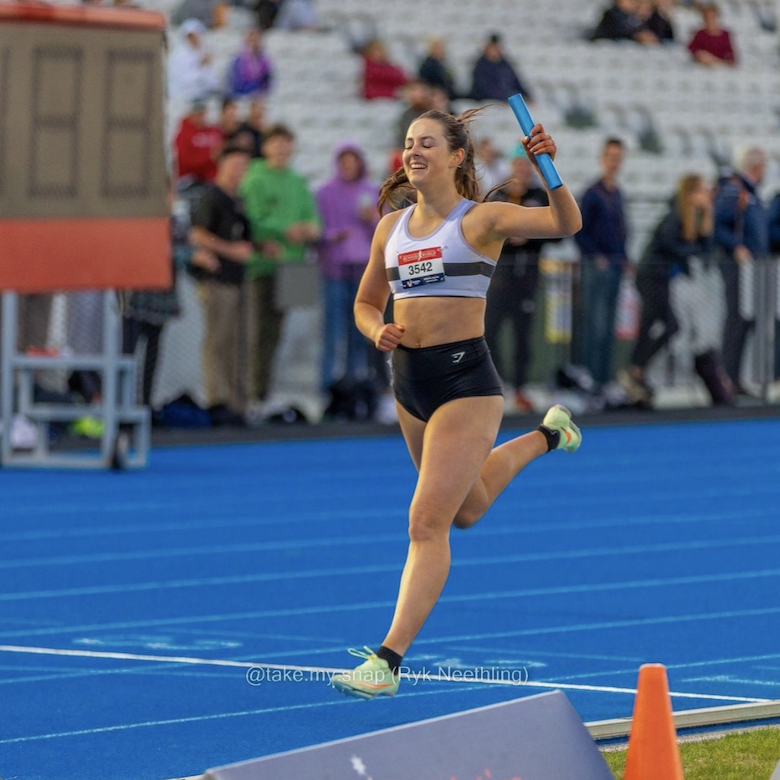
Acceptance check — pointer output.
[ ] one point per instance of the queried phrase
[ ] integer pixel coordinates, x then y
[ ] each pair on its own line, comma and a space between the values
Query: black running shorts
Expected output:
426, 378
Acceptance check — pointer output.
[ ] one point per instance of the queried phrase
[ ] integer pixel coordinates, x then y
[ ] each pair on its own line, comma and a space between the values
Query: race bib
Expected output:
425, 266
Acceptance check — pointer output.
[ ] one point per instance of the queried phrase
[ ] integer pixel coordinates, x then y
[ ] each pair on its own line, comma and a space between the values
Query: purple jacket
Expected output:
339, 202
250, 74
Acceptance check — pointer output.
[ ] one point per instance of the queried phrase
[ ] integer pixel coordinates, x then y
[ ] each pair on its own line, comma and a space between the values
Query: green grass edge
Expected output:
752, 754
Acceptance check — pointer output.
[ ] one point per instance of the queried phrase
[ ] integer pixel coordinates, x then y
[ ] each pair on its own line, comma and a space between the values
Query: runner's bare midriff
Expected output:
431, 320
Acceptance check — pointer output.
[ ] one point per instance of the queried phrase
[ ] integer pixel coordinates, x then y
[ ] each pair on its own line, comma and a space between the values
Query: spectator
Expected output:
267, 11
680, 241
621, 22
435, 71
221, 236
440, 101
602, 244
656, 16
191, 74
512, 292
297, 15
492, 169
494, 77
741, 234
251, 131
284, 219
347, 207
381, 77
228, 118
711, 45
197, 146
419, 100
145, 312
251, 71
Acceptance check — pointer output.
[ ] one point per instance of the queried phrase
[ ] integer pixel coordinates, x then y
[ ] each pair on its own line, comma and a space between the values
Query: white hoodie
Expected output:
188, 77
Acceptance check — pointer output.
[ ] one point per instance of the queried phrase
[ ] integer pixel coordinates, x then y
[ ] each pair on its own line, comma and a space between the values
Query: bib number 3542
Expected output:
424, 266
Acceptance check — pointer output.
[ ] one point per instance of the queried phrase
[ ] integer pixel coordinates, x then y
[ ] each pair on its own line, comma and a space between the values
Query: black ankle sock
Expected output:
553, 437
392, 658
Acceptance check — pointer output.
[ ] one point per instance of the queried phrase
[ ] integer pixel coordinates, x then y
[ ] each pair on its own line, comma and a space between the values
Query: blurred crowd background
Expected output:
283, 118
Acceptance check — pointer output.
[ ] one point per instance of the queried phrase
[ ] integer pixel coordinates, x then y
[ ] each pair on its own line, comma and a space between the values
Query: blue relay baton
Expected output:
546, 164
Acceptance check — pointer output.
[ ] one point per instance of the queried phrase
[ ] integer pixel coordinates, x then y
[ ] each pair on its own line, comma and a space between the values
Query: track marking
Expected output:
691, 665
508, 594
324, 671
243, 616
337, 701
601, 626
297, 544
238, 521
240, 579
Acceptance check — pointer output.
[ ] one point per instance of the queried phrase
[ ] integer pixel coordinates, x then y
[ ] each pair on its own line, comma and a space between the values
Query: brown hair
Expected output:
396, 188
612, 141
279, 130
695, 224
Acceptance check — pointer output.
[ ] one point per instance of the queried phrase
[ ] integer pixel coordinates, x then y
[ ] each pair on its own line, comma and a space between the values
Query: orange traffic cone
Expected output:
653, 753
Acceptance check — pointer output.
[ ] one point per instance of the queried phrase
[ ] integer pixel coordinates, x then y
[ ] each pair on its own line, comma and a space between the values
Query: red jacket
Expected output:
381, 79
196, 149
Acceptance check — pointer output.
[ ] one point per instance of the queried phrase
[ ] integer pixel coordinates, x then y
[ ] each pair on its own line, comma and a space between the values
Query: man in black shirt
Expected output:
220, 227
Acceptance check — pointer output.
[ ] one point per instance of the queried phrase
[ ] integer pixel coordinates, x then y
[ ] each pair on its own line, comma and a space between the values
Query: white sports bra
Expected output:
441, 263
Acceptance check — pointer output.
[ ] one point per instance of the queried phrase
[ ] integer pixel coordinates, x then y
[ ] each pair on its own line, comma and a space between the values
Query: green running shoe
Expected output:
88, 427
558, 418
371, 679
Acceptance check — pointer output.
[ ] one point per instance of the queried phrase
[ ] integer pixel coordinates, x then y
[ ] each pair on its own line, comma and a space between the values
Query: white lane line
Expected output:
241, 579
604, 625
337, 701
656, 519
322, 673
199, 620
692, 665
488, 596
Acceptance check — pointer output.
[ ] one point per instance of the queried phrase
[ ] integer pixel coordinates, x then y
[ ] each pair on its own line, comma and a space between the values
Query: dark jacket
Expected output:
496, 81
603, 224
668, 252
437, 74
739, 222
617, 25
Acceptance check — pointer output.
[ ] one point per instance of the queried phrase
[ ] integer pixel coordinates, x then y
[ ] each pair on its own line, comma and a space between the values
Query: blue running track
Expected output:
133, 606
